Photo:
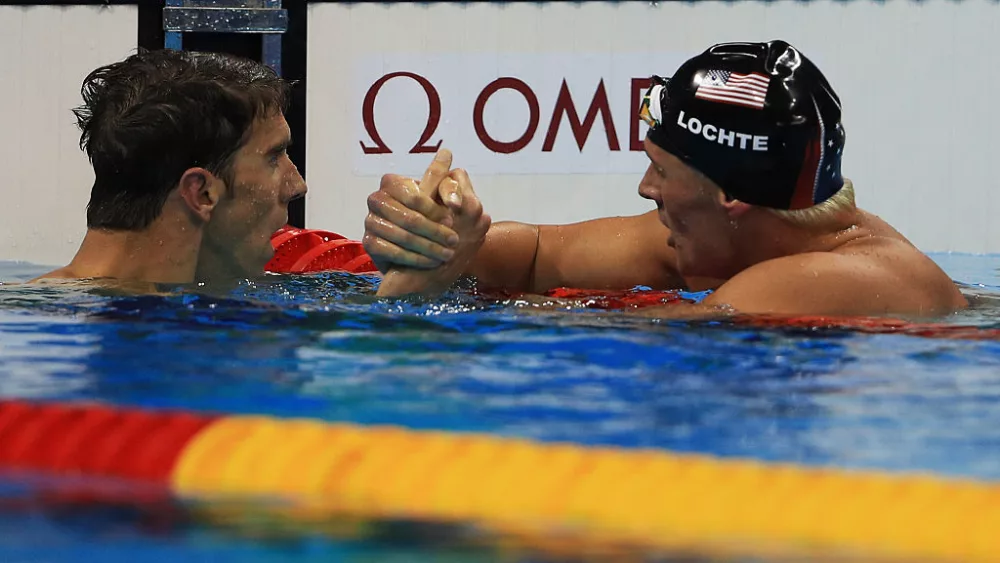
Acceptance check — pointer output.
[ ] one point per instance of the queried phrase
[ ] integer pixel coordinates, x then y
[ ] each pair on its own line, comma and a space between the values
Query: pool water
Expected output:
322, 346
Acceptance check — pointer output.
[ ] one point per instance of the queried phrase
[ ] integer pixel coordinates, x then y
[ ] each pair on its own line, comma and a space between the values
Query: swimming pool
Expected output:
320, 346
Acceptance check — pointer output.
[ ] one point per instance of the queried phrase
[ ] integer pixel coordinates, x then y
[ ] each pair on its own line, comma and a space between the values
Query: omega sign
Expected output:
545, 116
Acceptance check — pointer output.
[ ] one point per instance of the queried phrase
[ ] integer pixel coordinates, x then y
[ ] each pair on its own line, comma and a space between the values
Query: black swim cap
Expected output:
759, 119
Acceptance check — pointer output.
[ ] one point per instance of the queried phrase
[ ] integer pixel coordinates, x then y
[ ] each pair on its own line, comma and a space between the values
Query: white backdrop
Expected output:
47, 51
914, 77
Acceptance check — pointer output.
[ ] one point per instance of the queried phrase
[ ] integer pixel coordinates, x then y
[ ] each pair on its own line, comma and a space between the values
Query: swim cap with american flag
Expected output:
759, 119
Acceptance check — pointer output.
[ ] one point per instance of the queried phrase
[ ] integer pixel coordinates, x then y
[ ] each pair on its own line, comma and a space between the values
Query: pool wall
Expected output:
46, 53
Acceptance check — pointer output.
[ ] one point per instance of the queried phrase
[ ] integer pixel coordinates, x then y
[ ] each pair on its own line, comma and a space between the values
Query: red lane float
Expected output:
600, 298
303, 251
94, 439
639, 298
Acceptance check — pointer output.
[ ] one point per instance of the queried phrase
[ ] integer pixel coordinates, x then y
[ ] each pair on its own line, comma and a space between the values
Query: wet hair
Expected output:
148, 118
818, 215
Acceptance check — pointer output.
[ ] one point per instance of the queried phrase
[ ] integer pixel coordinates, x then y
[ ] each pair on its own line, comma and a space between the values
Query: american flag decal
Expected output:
733, 88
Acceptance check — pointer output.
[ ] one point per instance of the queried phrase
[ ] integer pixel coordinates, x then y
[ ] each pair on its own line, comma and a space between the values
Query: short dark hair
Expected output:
148, 118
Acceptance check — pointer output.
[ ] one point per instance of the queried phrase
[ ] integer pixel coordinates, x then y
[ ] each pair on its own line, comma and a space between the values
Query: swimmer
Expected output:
192, 174
745, 147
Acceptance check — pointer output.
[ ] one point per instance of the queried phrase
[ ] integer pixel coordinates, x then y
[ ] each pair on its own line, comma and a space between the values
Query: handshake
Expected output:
422, 236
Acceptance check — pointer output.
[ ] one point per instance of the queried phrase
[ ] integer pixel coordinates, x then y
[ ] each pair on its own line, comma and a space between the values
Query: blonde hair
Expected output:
820, 213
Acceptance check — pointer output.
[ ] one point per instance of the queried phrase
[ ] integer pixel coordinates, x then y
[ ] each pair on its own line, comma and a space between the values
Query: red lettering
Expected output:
639, 86
564, 105
433, 115
489, 142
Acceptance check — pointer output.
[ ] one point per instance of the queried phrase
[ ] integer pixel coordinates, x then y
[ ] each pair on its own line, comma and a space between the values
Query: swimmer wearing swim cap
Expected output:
745, 146
759, 120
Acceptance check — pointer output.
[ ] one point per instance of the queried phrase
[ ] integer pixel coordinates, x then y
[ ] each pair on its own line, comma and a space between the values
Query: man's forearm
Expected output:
507, 257
397, 283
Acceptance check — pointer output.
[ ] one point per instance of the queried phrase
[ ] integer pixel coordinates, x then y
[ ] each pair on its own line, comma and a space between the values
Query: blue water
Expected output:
321, 346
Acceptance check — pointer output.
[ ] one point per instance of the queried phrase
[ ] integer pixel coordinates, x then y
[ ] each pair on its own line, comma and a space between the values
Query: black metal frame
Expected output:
294, 49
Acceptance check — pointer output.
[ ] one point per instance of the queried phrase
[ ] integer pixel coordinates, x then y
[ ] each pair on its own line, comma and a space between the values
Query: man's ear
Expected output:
201, 191
736, 208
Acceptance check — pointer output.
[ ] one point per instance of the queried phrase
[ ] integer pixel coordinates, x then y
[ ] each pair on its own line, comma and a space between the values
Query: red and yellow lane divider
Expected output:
647, 498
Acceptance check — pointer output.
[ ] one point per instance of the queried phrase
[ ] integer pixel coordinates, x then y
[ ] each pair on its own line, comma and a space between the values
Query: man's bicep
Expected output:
611, 253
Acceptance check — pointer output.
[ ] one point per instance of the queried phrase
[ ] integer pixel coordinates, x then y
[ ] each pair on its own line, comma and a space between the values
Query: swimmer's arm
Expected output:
610, 253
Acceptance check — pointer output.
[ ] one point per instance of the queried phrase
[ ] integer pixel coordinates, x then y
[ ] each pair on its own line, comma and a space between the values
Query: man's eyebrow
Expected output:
281, 146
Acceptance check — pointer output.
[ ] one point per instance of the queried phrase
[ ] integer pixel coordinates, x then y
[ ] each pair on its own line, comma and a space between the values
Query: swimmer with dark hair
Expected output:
745, 146
191, 171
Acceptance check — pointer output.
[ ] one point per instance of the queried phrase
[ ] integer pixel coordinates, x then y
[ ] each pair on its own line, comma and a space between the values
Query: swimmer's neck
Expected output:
161, 253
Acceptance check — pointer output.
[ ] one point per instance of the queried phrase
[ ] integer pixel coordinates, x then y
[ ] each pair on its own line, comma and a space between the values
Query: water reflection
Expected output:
321, 346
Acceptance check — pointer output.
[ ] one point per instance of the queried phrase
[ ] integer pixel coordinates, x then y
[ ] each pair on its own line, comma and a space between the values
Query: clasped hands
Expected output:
423, 235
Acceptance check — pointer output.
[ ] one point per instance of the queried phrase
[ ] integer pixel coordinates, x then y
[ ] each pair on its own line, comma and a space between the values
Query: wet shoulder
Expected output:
915, 277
